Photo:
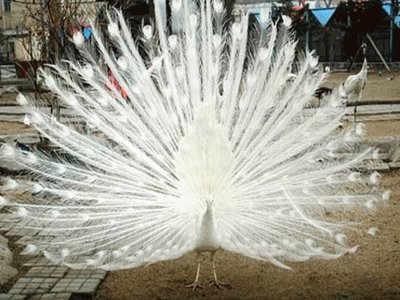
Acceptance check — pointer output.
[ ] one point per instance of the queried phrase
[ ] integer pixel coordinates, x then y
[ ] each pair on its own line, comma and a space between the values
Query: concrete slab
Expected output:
52, 296
47, 272
76, 285
29, 286
13, 297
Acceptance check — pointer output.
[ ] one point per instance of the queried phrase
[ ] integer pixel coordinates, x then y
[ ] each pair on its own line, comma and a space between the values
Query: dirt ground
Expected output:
373, 272
384, 87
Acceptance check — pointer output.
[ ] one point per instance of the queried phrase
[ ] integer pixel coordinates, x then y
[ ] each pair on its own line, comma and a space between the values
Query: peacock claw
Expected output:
195, 285
218, 284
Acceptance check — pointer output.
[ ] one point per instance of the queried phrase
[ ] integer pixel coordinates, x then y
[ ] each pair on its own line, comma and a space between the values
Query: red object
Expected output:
298, 7
73, 30
116, 85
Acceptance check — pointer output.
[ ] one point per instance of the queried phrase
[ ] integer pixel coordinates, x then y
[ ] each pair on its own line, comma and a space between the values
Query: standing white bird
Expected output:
353, 86
208, 147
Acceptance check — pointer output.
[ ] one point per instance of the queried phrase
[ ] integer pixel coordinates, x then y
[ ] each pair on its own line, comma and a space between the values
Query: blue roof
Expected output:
87, 32
262, 24
323, 15
387, 7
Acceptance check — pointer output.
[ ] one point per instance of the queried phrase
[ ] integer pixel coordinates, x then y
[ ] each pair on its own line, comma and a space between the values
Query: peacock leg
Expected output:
215, 282
355, 107
196, 283
355, 111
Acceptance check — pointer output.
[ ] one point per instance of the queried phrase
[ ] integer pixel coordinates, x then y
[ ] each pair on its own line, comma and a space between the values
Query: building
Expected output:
12, 31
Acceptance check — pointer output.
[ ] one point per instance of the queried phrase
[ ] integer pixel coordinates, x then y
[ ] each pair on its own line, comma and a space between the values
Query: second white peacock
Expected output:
207, 142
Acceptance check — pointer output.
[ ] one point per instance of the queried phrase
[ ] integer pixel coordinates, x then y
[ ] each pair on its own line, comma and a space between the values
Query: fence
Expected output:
339, 39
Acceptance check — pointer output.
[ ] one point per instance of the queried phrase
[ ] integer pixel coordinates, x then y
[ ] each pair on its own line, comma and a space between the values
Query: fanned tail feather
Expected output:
198, 116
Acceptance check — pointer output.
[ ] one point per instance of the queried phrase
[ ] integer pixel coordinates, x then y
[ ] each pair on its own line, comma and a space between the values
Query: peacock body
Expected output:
210, 146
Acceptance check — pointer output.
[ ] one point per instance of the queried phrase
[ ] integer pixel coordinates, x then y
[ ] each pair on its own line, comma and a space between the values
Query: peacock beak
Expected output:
209, 203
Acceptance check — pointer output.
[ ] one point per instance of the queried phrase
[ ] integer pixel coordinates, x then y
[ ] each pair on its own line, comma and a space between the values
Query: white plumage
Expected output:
353, 86
212, 149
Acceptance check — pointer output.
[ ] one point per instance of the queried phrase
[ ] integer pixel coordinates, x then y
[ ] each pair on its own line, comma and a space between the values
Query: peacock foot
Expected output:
218, 284
195, 285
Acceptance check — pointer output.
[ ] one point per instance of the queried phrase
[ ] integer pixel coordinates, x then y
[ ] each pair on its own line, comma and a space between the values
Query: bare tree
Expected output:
49, 24
53, 20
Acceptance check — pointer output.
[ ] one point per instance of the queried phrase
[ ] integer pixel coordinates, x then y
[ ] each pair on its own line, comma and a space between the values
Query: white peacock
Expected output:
213, 145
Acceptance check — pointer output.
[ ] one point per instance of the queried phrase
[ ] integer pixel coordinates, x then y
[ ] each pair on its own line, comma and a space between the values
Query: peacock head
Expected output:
209, 202
364, 48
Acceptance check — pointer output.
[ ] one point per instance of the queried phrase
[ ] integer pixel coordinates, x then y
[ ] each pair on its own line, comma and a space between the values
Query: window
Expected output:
7, 5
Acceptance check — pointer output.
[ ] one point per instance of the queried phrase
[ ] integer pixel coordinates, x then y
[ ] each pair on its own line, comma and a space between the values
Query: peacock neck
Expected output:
208, 217
207, 239
365, 65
